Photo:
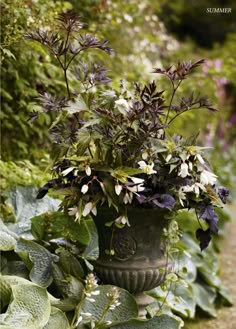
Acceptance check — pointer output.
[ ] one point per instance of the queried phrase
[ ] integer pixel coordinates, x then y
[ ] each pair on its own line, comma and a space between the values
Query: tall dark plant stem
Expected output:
172, 97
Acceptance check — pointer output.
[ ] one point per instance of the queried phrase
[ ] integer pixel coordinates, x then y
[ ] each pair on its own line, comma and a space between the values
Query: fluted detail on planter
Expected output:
133, 280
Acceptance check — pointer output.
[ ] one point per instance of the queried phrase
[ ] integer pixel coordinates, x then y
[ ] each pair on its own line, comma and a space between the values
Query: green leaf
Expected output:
69, 286
25, 205
160, 322
7, 242
204, 299
37, 259
53, 225
70, 264
57, 320
91, 252
5, 291
126, 310
30, 308
109, 190
8, 239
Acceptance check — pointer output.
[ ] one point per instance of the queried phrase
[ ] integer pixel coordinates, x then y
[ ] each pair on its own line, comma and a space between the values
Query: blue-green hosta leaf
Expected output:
126, 310
25, 205
57, 320
8, 281
8, 239
38, 259
5, 291
67, 285
160, 322
30, 308
204, 299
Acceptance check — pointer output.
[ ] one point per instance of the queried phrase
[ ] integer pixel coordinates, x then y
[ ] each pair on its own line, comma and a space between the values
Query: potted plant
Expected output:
116, 162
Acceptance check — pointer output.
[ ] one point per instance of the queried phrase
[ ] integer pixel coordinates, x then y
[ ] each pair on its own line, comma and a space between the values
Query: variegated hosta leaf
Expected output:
41, 271
160, 322
8, 238
57, 320
30, 308
8, 281
126, 310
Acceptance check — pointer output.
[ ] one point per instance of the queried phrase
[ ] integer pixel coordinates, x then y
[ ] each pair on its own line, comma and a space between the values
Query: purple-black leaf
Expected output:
210, 217
204, 237
223, 193
165, 201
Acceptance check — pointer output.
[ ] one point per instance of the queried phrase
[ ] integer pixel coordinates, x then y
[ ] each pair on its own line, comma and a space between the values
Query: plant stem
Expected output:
172, 97
67, 83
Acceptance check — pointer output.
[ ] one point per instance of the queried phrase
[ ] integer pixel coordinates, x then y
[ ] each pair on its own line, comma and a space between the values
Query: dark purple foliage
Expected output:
209, 215
204, 237
223, 193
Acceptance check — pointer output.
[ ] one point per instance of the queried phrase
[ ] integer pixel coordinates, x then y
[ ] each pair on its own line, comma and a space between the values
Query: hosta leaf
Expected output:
8, 239
53, 225
160, 322
5, 291
57, 320
41, 259
25, 205
70, 264
7, 242
68, 286
30, 308
13, 280
126, 310
204, 299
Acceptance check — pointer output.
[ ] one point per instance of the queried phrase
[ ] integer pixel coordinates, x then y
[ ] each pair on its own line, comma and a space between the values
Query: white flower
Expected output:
147, 168
118, 189
86, 314
67, 171
144, 155
78, 321
182, 196
128, 198
92, 300
200, 159
84, 188
207, 178
122, 106
190, 165
122, 220
137, 180
88, 207
88, 171
94, 210
169, 156
138, 187
183, 170
72, 211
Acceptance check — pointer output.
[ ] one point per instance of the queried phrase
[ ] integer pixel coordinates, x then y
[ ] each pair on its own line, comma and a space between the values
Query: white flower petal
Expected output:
118, 189
183, 170
84, 188
200, 158
88, 207
67, 171
137, 180
88, 171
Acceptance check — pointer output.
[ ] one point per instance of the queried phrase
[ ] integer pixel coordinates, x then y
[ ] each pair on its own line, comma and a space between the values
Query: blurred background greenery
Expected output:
144, 34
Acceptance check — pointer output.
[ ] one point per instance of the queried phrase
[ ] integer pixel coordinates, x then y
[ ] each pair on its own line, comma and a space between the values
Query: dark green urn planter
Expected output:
138, 262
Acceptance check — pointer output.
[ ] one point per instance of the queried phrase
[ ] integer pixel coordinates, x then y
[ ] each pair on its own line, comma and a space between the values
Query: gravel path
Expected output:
226, 318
